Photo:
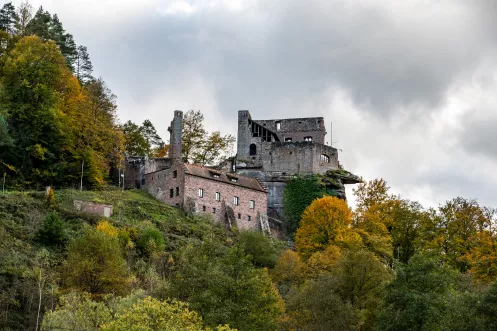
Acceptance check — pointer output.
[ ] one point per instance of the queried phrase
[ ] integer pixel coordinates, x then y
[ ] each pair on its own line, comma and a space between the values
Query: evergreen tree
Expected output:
154, 141
83, 67
8, 18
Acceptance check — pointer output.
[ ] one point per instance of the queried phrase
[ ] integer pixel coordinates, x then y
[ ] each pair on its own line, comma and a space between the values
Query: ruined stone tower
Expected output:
175, 135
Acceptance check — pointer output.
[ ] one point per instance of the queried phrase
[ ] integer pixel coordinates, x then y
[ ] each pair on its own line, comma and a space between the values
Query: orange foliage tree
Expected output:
326, 221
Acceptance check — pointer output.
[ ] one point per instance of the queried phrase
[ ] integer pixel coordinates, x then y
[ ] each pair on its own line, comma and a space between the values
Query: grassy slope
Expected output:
22, 215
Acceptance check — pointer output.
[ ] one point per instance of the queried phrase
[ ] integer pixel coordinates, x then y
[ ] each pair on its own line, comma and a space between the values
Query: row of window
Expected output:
236, 200
204, 209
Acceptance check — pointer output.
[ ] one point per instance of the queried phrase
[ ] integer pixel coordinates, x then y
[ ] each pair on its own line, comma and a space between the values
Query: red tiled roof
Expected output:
201, 171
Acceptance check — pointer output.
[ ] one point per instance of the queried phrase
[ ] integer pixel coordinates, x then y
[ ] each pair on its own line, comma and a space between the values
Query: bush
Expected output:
151, 240
261, 249
53, 232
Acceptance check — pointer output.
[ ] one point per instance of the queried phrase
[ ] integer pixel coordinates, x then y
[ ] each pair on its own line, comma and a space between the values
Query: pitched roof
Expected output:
208, 173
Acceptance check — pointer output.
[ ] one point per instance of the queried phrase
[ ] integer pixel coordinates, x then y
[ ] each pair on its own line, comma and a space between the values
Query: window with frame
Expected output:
288, 139
278, 126
249, 218
200, 193
218, 196
213, 210
177, 191
171, 193
252, 204
235, 201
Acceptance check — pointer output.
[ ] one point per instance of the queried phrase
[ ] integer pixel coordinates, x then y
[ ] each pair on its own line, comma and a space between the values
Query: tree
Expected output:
8, 17
36, 98
5, 138
154, 141
289, 271
135, 143
223, 285
418, 298
23, 15
259, 248
83, 67
361, 278
371, 193
53, 232
95, 265
299, 193
198, 146
317, 306
325, 222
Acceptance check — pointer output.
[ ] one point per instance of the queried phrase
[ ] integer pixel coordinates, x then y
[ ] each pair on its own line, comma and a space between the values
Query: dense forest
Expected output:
389, 264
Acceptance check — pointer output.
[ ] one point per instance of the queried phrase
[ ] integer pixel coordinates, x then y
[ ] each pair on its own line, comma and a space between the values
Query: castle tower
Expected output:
244, 133
175, 135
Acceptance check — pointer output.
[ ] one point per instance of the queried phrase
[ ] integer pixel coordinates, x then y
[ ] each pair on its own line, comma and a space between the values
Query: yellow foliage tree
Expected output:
105, 227
290, 269
321, 262
326, 221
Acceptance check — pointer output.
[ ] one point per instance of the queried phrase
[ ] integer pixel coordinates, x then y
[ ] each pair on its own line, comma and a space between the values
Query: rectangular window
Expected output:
175, 173
177, 191
235, 201
288, 139
218, 196
204, 208
249, 218
171, 193
252, 204
239, 216
200, 193
278, 126
213, 210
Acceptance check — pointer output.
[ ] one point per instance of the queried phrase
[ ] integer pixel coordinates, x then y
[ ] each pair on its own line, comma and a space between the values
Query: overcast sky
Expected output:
410, 86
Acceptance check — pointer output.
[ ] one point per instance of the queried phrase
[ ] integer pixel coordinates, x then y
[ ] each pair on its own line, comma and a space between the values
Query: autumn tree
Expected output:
325, 222
24, 14
198, 146
142, 140
95, 265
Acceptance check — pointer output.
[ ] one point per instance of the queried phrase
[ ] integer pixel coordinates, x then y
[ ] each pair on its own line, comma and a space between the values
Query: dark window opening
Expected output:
204, 208
249, 218
175, 173
214, 210
239, 216
288, 139
171, 193
253, 149
177, 191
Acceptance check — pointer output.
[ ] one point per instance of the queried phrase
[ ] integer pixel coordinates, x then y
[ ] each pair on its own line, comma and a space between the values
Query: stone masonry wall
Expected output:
297, 128
228, 192
160, 183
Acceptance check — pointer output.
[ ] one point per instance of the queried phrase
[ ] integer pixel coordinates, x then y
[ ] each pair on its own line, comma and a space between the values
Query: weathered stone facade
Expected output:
274, 151
226, 197
269, 154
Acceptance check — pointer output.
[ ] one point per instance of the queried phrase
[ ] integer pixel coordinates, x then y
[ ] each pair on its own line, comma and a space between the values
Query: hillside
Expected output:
159, 248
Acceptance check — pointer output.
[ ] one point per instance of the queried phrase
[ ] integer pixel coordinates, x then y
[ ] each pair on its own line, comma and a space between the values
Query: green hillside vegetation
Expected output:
55, 258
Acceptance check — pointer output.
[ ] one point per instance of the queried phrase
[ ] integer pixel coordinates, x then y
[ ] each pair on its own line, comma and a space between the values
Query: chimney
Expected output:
175, 135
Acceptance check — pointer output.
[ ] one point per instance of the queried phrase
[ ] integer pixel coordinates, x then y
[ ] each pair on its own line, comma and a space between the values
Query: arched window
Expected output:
325, 158
253, 149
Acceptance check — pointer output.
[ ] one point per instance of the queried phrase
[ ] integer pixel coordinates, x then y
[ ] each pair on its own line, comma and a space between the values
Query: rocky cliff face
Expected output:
335, 181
